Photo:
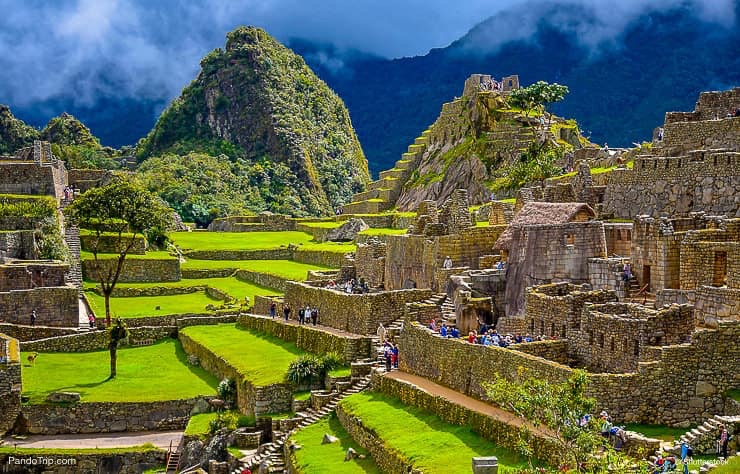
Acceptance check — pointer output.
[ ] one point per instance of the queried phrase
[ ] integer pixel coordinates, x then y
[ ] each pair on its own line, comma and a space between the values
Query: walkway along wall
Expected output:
680, 385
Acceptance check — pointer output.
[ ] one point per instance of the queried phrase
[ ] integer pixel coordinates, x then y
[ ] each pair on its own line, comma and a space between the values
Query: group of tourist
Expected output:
69, 193
486, 336
390, 355
350, 287
306, 314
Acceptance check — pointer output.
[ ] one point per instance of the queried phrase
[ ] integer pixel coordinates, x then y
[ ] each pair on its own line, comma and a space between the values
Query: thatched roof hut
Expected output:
539, 213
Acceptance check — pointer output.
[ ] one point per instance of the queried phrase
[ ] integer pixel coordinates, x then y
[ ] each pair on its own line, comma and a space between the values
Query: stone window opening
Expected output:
719, 277
552, 329
563, 332
590, 338
637, 348
601, 341
570, 239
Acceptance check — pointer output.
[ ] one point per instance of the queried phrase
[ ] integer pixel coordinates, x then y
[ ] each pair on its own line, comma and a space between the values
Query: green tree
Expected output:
116, 333
537, 96
122, 211
554, 410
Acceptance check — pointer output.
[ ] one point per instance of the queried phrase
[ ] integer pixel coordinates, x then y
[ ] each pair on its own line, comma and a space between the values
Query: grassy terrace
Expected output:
158, 255
253, 241
431, 444
320, 458
145, 374
383, 231
287, 269
262, 359
142, 306
665, 433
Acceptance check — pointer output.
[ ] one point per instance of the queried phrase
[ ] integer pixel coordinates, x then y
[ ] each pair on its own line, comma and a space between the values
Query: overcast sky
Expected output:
152, 47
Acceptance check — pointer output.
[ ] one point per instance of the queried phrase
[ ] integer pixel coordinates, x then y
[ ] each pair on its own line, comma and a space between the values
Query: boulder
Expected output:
328, 439
63, 397
347, 231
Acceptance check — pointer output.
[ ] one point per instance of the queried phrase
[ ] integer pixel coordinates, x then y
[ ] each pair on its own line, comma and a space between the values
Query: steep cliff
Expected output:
14, 133
260, 104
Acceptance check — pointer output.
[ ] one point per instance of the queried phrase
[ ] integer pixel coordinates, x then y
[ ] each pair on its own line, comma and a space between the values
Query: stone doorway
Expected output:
719, 277
646, 276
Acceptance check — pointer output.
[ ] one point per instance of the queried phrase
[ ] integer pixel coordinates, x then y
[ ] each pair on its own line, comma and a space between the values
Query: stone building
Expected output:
34, 170
549, 242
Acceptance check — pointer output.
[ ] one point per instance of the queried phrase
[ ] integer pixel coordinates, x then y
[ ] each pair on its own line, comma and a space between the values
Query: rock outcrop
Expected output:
14, 133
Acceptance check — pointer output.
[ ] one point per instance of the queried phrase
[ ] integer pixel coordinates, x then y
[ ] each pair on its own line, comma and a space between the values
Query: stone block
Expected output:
485, 465
63, 397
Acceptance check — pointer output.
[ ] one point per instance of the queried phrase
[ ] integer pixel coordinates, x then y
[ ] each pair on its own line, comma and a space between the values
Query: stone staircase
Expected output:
703, 438
72, 237
382, 194
269, 458
393, 330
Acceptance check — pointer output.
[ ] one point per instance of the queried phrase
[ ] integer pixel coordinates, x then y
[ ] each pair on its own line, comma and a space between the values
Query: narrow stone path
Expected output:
460, 399
319, 327
160, 439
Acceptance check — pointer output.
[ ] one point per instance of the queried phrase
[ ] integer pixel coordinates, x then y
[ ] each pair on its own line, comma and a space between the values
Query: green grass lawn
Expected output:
661, 432
156, 255
141, 306
287, 269
143, 448
734, 394
732, 467
262, 359
231, 285
200, 424
253, 241
318, 458
323, 225
482, 224
383, 231
430, 443
145, 374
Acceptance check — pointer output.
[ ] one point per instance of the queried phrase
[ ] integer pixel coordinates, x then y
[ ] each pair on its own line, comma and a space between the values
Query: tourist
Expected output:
433, 325
394, 356
660, 134
627, 273
387, 355
447, 264
301, 315
493, 197
500, 265
443, 330
737, 112
471, 337
349, 287
381, 332
286, 311
606, 424
91, 320
454, 332
686, 455
314, 316
722, 441
33, 318
332, 285
273, 309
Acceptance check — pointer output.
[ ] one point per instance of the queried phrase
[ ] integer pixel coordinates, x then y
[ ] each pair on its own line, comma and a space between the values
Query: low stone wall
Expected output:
319, 257
319, 233
197, 273
359, 314
137, 270
110, 244
498, 431
95, 340
283, 253
309, 338
715, 304
18, 244
134, 462
262, 279
186, 321
32, 333
251, 400
262, 305
106, 417
10, 389
20, 222
387, 459
55, 306
556, 351
701, 372
167, 320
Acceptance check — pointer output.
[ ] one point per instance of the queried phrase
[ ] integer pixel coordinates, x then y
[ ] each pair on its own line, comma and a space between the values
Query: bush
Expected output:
42, 207
228, 421
227, 390
309, 368
51, 244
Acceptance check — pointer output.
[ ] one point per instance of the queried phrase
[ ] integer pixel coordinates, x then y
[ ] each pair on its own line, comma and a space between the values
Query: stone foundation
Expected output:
137, 270
55, 306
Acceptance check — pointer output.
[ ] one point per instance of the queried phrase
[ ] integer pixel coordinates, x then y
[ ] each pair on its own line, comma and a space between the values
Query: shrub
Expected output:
310, 368
228, 421
51, 244
227, 390
42, 207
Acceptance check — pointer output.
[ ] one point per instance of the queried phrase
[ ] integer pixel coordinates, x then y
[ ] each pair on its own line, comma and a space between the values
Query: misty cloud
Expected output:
86, 49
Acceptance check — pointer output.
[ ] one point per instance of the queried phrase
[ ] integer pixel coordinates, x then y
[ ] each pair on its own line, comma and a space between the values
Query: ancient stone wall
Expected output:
655, 253
618, 238
21, 222
700, 373
25, 332
607, 274
714, 304
55, 306
85, 180
555, 309
370, 262
709, 258
136, 270
110, 244
310, 338
96, 340
554, 350
10, 382
27, 275
133, 462
358, 314
18, 244
268, 254
676, 186
106, 417
318, 257
613, 337
711, 105
682, 137
27, 178
549, 253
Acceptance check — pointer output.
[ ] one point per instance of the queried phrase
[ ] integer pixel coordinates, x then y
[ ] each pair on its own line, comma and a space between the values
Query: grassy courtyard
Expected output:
262, 359
145, 374
320, 458
433, 445
142, 306
253, 241
287, 269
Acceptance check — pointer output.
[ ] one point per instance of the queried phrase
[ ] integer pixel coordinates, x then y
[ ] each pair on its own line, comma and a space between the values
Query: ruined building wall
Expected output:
618, 238
370, 262
712, 263
613, 337
10, 382
32, 275
549, 253
55, 306
655, 253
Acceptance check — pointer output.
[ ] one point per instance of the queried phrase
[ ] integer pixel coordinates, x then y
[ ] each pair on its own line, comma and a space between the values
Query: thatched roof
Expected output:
538, 213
